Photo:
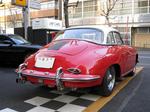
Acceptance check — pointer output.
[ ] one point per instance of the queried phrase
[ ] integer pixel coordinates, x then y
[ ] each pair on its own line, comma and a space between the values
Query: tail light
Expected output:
74, 70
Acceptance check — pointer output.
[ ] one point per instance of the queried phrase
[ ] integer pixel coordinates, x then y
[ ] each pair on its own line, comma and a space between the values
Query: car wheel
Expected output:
108, 82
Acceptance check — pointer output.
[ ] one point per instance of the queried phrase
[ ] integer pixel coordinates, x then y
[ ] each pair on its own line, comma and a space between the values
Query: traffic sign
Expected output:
22, 3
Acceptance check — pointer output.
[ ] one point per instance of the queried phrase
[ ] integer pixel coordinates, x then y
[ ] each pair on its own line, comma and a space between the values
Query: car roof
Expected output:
6, 34
103, 28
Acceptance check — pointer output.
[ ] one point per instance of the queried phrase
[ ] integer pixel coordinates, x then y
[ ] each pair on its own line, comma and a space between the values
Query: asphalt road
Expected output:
135, 97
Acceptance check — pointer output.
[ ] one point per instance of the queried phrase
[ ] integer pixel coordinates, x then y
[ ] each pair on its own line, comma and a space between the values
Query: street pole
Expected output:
26, 19
60, 10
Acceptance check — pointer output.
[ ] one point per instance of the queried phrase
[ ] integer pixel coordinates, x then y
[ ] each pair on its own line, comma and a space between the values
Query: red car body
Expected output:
78, 63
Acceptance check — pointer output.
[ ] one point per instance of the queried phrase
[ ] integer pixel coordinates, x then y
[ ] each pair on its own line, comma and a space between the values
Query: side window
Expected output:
3, 39
118, 38
110, 38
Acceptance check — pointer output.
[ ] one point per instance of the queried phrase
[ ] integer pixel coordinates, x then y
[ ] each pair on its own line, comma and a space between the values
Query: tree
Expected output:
108, 6
66, 13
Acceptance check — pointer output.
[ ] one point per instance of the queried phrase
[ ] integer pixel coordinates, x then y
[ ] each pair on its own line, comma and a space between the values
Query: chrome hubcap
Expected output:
111, 81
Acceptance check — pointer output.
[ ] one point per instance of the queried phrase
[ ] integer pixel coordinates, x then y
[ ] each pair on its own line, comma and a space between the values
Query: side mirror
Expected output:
8, 42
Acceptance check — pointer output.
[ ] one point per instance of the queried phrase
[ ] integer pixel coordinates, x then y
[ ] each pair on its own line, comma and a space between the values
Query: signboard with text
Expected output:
46, 23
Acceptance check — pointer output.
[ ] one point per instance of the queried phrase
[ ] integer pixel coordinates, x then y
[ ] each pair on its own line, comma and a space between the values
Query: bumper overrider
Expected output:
59, 79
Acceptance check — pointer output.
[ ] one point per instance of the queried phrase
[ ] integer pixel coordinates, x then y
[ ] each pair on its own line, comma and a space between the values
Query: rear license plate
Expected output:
44, 62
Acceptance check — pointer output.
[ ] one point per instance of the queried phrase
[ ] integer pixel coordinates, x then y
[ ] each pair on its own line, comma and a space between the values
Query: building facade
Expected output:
131, 17
12, 16
39, 26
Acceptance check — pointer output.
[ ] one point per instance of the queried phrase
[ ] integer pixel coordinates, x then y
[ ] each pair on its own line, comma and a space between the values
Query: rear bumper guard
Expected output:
59, 83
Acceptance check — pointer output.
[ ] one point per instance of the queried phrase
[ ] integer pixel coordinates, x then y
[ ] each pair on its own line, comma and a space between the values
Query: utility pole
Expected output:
26, 14
60, 9
26, 19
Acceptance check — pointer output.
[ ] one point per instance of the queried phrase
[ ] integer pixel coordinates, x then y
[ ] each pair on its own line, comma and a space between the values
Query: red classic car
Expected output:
79, 57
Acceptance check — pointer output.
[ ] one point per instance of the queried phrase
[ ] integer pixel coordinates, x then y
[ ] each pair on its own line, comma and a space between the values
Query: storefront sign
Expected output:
46, 23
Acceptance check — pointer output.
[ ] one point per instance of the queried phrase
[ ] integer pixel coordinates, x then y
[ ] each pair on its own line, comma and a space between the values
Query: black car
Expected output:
14, 49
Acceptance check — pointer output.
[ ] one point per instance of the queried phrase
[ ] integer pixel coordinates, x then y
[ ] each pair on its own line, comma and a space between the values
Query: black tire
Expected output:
108, 83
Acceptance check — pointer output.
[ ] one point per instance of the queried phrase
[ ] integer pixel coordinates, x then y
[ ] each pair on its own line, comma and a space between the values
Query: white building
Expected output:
131, 17
127, 15
11, 16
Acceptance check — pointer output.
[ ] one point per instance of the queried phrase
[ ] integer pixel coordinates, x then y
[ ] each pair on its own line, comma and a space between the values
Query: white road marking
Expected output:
40, 109
65, 98
71, 108
37, 101
8, 110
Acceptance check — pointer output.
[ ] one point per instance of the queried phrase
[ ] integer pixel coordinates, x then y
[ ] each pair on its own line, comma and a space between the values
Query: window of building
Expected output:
49, 5
141, 6
89, 9
125, 11
122, 8
143, 30
142, 3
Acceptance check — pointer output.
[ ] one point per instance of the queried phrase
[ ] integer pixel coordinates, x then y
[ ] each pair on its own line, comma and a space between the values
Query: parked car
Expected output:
14, 49
79, 57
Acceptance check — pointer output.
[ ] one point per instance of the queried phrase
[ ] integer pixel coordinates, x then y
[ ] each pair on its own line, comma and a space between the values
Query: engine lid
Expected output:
69, 47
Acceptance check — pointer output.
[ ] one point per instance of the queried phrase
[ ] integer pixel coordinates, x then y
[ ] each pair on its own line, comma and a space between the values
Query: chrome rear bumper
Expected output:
59, 76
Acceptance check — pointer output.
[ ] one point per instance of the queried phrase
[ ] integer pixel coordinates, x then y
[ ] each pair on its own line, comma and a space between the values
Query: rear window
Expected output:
87, 34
